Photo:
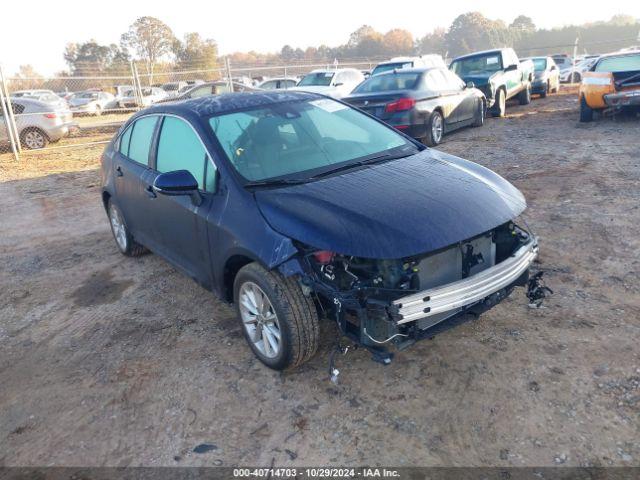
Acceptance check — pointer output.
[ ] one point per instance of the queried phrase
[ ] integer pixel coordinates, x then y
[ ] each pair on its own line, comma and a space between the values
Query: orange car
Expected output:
613, 82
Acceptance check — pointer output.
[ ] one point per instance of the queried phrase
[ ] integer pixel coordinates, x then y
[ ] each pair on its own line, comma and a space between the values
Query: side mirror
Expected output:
511, 68
470, 85
179, 182
553, 67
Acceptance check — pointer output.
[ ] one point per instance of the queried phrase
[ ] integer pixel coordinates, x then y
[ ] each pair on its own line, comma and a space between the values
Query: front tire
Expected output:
524, 97
435, 129
586, 112
500, 105
124, 240
279, 322
546, 91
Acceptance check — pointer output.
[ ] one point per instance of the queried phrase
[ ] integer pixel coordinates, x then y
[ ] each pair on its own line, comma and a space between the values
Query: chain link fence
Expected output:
40, 114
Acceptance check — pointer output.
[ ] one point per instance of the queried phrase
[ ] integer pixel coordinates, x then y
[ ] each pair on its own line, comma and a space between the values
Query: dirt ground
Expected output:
112, 361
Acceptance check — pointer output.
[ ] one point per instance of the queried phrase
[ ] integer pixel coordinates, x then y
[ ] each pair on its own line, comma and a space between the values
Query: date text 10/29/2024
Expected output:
316, 472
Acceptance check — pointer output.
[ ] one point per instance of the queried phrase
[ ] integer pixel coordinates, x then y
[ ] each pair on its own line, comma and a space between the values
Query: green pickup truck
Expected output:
499, 74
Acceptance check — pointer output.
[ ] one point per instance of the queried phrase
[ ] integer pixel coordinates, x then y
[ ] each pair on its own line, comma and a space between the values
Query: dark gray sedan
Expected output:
424, 103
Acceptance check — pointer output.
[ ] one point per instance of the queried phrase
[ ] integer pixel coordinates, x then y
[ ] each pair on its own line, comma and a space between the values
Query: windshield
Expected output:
86, 95
387, 67
170, 87
539, 64
478, 64
302, 138
322, 79
389, 82
627, 63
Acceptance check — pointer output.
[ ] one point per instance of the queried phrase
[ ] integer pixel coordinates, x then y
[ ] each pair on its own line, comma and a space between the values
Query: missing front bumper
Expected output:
462, 293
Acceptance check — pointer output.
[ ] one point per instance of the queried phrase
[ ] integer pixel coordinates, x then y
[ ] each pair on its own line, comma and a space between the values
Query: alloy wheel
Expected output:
437, 128
260, 320
117, 225
34, 139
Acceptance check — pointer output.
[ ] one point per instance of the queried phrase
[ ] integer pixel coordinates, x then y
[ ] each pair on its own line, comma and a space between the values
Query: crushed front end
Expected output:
393, 303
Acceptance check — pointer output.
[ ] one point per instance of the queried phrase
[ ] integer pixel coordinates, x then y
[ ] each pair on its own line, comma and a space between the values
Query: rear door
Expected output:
131, 167
180, 226
448, 95
464, 99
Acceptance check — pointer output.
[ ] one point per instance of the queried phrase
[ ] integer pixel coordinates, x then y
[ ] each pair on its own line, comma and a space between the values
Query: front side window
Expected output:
141, 136
302, 138
478, 64
180, 148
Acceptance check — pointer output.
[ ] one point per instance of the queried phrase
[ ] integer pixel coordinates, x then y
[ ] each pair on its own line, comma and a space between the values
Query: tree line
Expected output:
152, 42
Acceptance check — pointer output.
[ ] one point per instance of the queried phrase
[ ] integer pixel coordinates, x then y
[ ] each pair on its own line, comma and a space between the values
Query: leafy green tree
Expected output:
398, 42
473, 31
433, 42
151, 39
196, 52
92, 59
523, 23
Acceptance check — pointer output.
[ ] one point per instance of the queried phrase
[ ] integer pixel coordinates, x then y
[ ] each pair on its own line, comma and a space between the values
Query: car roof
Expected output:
334, 70
480, 53
30, 102
228, 102
409, 70
619, 54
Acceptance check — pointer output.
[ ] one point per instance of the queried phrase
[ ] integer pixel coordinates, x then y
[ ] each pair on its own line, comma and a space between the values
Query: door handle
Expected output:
150, 192
119, 172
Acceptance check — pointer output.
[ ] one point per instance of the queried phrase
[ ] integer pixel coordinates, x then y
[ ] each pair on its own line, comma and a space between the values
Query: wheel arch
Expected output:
232, 266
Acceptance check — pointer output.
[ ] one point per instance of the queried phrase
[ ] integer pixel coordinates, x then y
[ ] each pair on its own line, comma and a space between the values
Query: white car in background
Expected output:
91, 102
45, 96
277, 83
569, 74
336, 83
150, 95
423, 61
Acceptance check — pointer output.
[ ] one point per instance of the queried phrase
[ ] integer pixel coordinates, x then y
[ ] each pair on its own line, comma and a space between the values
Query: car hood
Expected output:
396, 209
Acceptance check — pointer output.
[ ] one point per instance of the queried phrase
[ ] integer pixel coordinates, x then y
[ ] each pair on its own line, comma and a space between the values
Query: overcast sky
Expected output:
37, 31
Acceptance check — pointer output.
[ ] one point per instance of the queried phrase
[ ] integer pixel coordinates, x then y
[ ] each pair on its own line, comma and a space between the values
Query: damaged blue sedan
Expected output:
297, 207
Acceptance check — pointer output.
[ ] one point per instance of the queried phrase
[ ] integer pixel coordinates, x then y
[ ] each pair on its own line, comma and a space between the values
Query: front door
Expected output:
179, 223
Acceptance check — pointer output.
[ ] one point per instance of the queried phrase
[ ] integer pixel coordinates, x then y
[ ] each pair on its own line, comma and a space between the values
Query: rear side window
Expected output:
141, 136
124, 141
180, 148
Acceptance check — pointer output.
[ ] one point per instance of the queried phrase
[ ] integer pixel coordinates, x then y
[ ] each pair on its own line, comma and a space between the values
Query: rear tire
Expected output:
576, 78
124, 240
33, 138
279, 322
586, 112
98, 111
435, 129
524, 97
500, 105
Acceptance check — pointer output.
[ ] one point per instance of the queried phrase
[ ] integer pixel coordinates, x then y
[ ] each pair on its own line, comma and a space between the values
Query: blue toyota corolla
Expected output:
297, 207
